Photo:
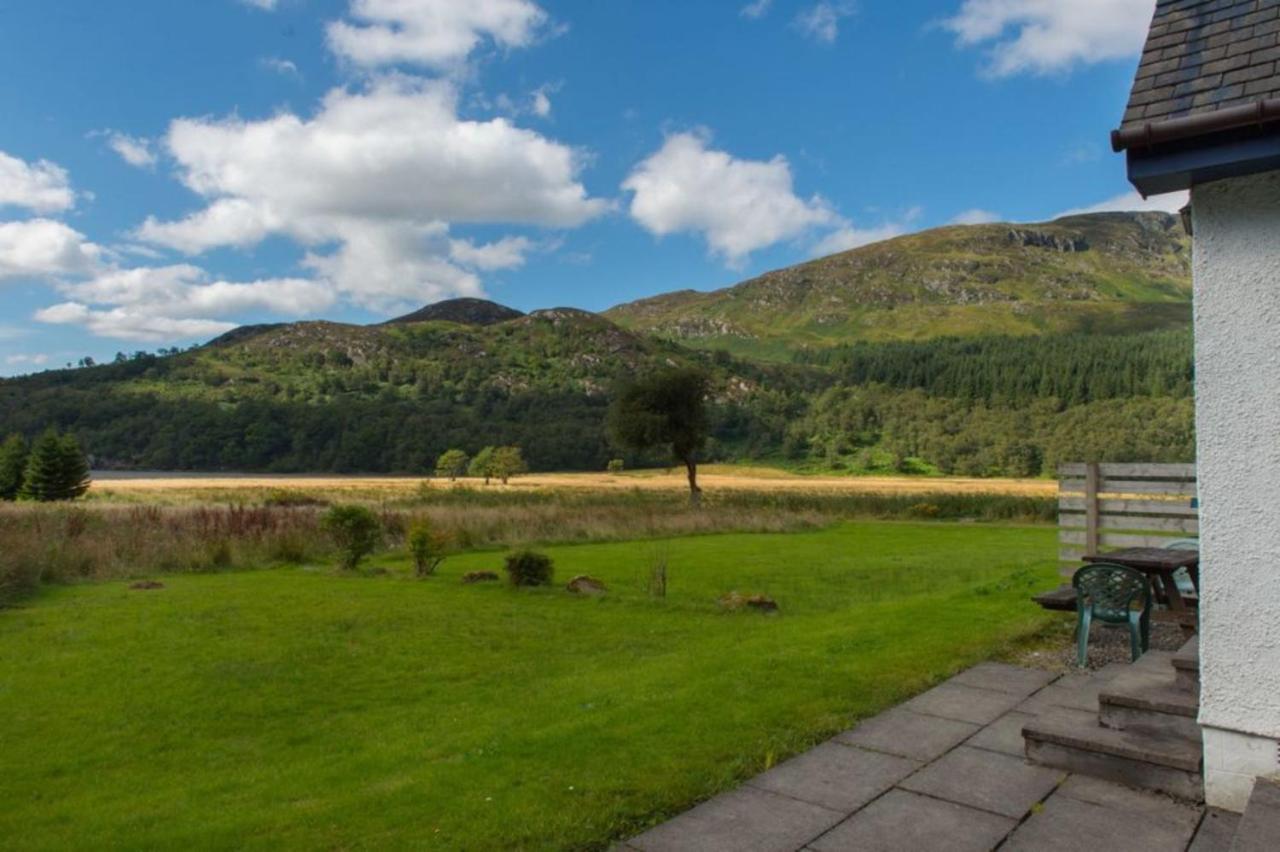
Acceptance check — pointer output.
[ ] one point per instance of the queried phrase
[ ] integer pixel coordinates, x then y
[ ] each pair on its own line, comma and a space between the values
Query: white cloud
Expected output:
756, 9
133, 150
506, 253
1049, 36
974, 216
848, 237
286, 67
43, 248
371, 184
129, 324
1132, 201
42, 186
738, 206
265, 5
27, 359
180, 301
387, 268
541, 104
822, 21
431, 33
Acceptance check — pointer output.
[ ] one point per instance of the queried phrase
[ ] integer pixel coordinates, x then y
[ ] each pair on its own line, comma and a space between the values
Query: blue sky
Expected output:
169, 170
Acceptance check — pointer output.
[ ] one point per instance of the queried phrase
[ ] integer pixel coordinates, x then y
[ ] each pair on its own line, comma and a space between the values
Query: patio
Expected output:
946, 770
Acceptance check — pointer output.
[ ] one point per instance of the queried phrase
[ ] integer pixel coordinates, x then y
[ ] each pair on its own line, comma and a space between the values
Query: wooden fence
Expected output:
1107, 506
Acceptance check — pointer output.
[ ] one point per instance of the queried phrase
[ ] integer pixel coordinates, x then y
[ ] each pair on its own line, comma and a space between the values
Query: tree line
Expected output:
1074, 369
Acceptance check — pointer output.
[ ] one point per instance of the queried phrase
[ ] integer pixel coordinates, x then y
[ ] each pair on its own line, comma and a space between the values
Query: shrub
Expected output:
356, 532
616, 466
289, 498
529, 568
427, 547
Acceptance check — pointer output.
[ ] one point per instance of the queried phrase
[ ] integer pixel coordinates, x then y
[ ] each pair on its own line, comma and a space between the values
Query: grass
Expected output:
299, 708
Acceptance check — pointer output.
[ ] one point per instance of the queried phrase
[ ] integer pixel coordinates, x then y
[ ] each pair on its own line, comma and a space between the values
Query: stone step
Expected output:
1147, 699
1074, 740
1259, 829
1186, 666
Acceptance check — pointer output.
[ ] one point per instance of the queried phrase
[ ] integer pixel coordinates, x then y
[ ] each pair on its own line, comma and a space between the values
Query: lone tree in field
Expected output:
452, 464
482, 465
56, 469
668, 408
13, 464
508, 462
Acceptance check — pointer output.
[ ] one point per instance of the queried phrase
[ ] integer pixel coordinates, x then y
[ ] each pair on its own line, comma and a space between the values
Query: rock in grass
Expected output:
584, 585
480, 577
736, 601
144, 585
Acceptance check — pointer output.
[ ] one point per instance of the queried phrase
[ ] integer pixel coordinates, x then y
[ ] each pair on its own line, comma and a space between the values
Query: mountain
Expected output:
1100, 273
982, 350
331, 396
461, 311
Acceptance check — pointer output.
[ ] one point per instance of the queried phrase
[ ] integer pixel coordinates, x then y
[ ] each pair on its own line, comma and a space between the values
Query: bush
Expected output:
529, 568
288, 498
356, 532
427, 547
616, 466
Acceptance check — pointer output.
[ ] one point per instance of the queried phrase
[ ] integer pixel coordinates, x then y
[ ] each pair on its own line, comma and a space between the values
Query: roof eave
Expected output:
1183, 163
1151, 133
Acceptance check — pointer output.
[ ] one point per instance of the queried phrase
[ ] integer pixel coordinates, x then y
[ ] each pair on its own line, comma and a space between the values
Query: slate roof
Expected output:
1206, 55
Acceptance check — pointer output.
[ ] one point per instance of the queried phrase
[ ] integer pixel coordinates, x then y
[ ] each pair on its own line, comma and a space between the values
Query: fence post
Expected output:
1091, 480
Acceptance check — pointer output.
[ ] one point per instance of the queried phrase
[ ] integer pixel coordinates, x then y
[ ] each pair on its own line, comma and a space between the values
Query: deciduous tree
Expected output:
668, 408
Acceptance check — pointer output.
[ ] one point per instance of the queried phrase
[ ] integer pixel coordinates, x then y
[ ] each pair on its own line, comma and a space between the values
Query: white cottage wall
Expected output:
1237, 325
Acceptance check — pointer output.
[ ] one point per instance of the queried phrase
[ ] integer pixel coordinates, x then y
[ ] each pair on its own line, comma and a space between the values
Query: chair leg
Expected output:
1146, 631
1083, 618
1135, 638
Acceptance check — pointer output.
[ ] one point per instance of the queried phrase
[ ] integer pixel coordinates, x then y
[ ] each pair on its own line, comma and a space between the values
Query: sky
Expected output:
169, 171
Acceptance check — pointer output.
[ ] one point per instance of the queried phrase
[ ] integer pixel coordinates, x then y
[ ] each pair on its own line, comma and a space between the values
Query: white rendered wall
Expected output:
1237, 326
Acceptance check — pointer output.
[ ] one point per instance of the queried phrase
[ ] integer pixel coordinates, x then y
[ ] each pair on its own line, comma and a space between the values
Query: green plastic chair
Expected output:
1109, 593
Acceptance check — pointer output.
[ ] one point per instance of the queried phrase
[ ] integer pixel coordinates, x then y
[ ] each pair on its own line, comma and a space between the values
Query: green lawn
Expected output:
298, 708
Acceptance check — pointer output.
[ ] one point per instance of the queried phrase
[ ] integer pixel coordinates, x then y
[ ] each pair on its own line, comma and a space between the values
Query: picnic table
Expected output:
1159, 564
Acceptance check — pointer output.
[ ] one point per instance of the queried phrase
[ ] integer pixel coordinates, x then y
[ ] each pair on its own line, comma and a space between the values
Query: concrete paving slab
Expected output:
901, 821
1072, 691
745, 820
953, 700
836, 776
1003, 677
1216, 831
1066, 824
1140, 803
987, 780
914, 735
1003, 735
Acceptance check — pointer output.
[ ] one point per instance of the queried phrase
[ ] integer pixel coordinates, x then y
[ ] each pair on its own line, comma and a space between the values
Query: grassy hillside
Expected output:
976, 350
1103, 274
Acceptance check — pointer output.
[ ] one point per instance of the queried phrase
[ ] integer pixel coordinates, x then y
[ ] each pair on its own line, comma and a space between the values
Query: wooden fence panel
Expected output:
1104, 507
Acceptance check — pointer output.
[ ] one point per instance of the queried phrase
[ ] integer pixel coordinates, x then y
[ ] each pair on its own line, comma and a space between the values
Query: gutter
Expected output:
1150, 134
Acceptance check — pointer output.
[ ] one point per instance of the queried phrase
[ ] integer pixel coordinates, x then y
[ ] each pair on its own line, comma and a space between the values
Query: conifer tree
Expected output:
56, 469
13, 463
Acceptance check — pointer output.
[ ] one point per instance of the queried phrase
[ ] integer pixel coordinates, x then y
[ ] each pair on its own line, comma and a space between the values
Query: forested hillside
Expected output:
320, 396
